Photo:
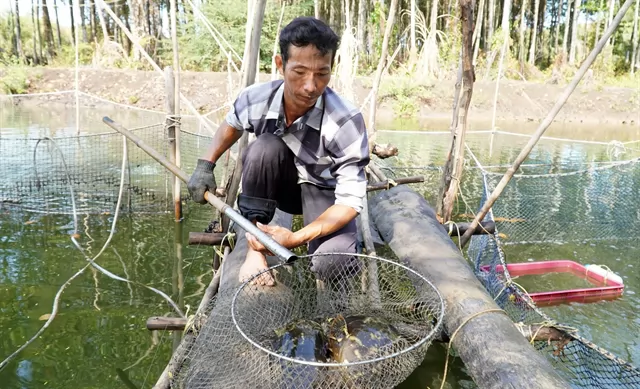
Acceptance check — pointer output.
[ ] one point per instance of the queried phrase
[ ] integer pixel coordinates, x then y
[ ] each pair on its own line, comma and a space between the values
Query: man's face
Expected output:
306, 75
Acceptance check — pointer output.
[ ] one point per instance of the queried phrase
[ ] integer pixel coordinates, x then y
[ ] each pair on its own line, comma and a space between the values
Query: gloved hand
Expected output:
202, 180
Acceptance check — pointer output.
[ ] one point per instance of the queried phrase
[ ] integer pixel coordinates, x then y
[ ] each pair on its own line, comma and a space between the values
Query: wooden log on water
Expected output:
503, 360
209, 238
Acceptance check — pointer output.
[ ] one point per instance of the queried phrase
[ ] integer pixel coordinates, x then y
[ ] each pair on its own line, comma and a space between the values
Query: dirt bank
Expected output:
517, 100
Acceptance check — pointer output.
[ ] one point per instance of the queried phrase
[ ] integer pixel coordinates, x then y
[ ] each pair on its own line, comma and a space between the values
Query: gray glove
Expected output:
202, 180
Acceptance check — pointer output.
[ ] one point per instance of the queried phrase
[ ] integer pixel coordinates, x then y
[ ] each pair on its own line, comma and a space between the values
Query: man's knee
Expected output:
333, 257
264, 149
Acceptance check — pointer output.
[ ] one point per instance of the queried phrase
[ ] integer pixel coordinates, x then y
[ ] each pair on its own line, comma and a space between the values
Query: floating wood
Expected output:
164, 323
209, 238
390, 183
505, 358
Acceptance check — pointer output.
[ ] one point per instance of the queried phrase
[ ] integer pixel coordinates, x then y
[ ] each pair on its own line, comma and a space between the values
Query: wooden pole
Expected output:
248, 78
176, 110
546, 122
171, 124
408, 225
456, 160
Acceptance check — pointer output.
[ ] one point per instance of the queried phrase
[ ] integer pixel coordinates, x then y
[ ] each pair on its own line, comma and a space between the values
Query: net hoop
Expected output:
436, 328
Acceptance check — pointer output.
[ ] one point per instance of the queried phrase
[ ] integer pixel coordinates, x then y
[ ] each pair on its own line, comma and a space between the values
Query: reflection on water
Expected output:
99, 335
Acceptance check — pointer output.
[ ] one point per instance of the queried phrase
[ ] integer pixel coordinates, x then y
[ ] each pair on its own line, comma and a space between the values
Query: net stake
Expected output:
278, 250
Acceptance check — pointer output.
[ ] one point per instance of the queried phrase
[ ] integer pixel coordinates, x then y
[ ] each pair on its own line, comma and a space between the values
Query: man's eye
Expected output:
299, 72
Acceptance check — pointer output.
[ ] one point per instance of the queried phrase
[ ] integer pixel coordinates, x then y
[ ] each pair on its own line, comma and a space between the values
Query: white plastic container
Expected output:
608, 275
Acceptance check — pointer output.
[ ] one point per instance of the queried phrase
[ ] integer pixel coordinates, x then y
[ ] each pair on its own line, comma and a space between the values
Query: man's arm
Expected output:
223, 139
350, 150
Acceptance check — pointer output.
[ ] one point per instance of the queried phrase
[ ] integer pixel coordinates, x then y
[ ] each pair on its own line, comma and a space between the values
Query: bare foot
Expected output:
253, 264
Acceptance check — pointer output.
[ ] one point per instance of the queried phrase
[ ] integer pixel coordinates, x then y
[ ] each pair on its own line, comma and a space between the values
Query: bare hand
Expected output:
283, 236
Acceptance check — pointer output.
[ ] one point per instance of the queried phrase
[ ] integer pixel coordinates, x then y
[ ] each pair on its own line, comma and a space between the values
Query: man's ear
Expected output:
279, 64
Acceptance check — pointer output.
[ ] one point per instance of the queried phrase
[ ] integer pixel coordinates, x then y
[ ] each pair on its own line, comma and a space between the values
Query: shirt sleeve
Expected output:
238, 115
350, 150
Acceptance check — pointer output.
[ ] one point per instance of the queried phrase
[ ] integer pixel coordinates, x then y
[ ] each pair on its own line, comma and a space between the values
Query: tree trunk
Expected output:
139, 24
48, 30
612, 6
362, 29
534, 33
634, 40
38, 31
55, 10
490, 22
477, 31
378, 76
92, 21
523, 29
18, 33
103, 24
574, 33
83, 25
556, 36
316, 8
73, 24
598, 21
565, 38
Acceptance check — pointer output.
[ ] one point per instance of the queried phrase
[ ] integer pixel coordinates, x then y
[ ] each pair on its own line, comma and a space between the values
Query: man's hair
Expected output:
305, 30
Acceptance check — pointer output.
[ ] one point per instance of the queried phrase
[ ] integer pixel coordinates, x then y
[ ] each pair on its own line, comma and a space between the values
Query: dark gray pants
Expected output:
270, 181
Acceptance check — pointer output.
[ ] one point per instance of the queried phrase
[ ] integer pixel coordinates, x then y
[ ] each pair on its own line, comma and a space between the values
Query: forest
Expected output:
548, 39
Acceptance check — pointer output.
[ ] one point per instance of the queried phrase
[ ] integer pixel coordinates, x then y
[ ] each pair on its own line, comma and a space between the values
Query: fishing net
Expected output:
569, 209
367, 324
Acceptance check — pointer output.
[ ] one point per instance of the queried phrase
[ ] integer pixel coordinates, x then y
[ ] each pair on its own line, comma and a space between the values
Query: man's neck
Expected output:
291, 113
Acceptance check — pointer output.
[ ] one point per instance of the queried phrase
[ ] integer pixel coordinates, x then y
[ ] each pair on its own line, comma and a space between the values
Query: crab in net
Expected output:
366, 324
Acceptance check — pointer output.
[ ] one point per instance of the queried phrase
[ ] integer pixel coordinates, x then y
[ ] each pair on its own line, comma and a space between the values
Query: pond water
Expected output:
99, 339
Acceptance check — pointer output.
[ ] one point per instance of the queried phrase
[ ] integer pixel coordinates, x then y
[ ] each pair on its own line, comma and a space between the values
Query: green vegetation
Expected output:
432, 35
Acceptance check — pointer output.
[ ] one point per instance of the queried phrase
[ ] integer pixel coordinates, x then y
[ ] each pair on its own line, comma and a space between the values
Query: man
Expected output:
308, 158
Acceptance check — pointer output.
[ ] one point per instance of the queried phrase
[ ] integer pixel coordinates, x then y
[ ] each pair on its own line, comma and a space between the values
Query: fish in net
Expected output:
364, 326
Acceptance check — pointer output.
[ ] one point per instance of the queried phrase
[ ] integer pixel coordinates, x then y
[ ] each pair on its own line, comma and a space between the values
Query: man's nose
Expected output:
310, 85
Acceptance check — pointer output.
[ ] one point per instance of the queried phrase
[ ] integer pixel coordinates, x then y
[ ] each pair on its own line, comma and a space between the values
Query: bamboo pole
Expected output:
171, 124
547, 121
176, 111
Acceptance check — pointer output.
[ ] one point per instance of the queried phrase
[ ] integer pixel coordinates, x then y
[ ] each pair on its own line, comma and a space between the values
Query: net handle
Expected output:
278, 250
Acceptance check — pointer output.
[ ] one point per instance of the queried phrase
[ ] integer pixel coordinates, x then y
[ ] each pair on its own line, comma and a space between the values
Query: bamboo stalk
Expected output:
176, 110
547, 121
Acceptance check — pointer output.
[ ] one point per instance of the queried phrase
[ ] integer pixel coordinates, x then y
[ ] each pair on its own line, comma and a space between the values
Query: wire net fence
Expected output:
41, 165
367, 324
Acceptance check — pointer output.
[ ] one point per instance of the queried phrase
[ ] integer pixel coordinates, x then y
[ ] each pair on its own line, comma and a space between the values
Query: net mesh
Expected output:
572, 209
40, 165
367, 325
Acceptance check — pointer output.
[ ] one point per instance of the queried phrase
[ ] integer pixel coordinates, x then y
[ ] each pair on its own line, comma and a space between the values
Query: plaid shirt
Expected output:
330, 141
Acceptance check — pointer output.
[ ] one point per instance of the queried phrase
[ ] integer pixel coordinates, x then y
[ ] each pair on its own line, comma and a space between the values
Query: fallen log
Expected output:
391, 183
209, 238
408, 224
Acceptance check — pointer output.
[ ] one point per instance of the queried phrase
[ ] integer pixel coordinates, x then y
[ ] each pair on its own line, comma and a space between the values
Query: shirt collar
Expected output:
313, 118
